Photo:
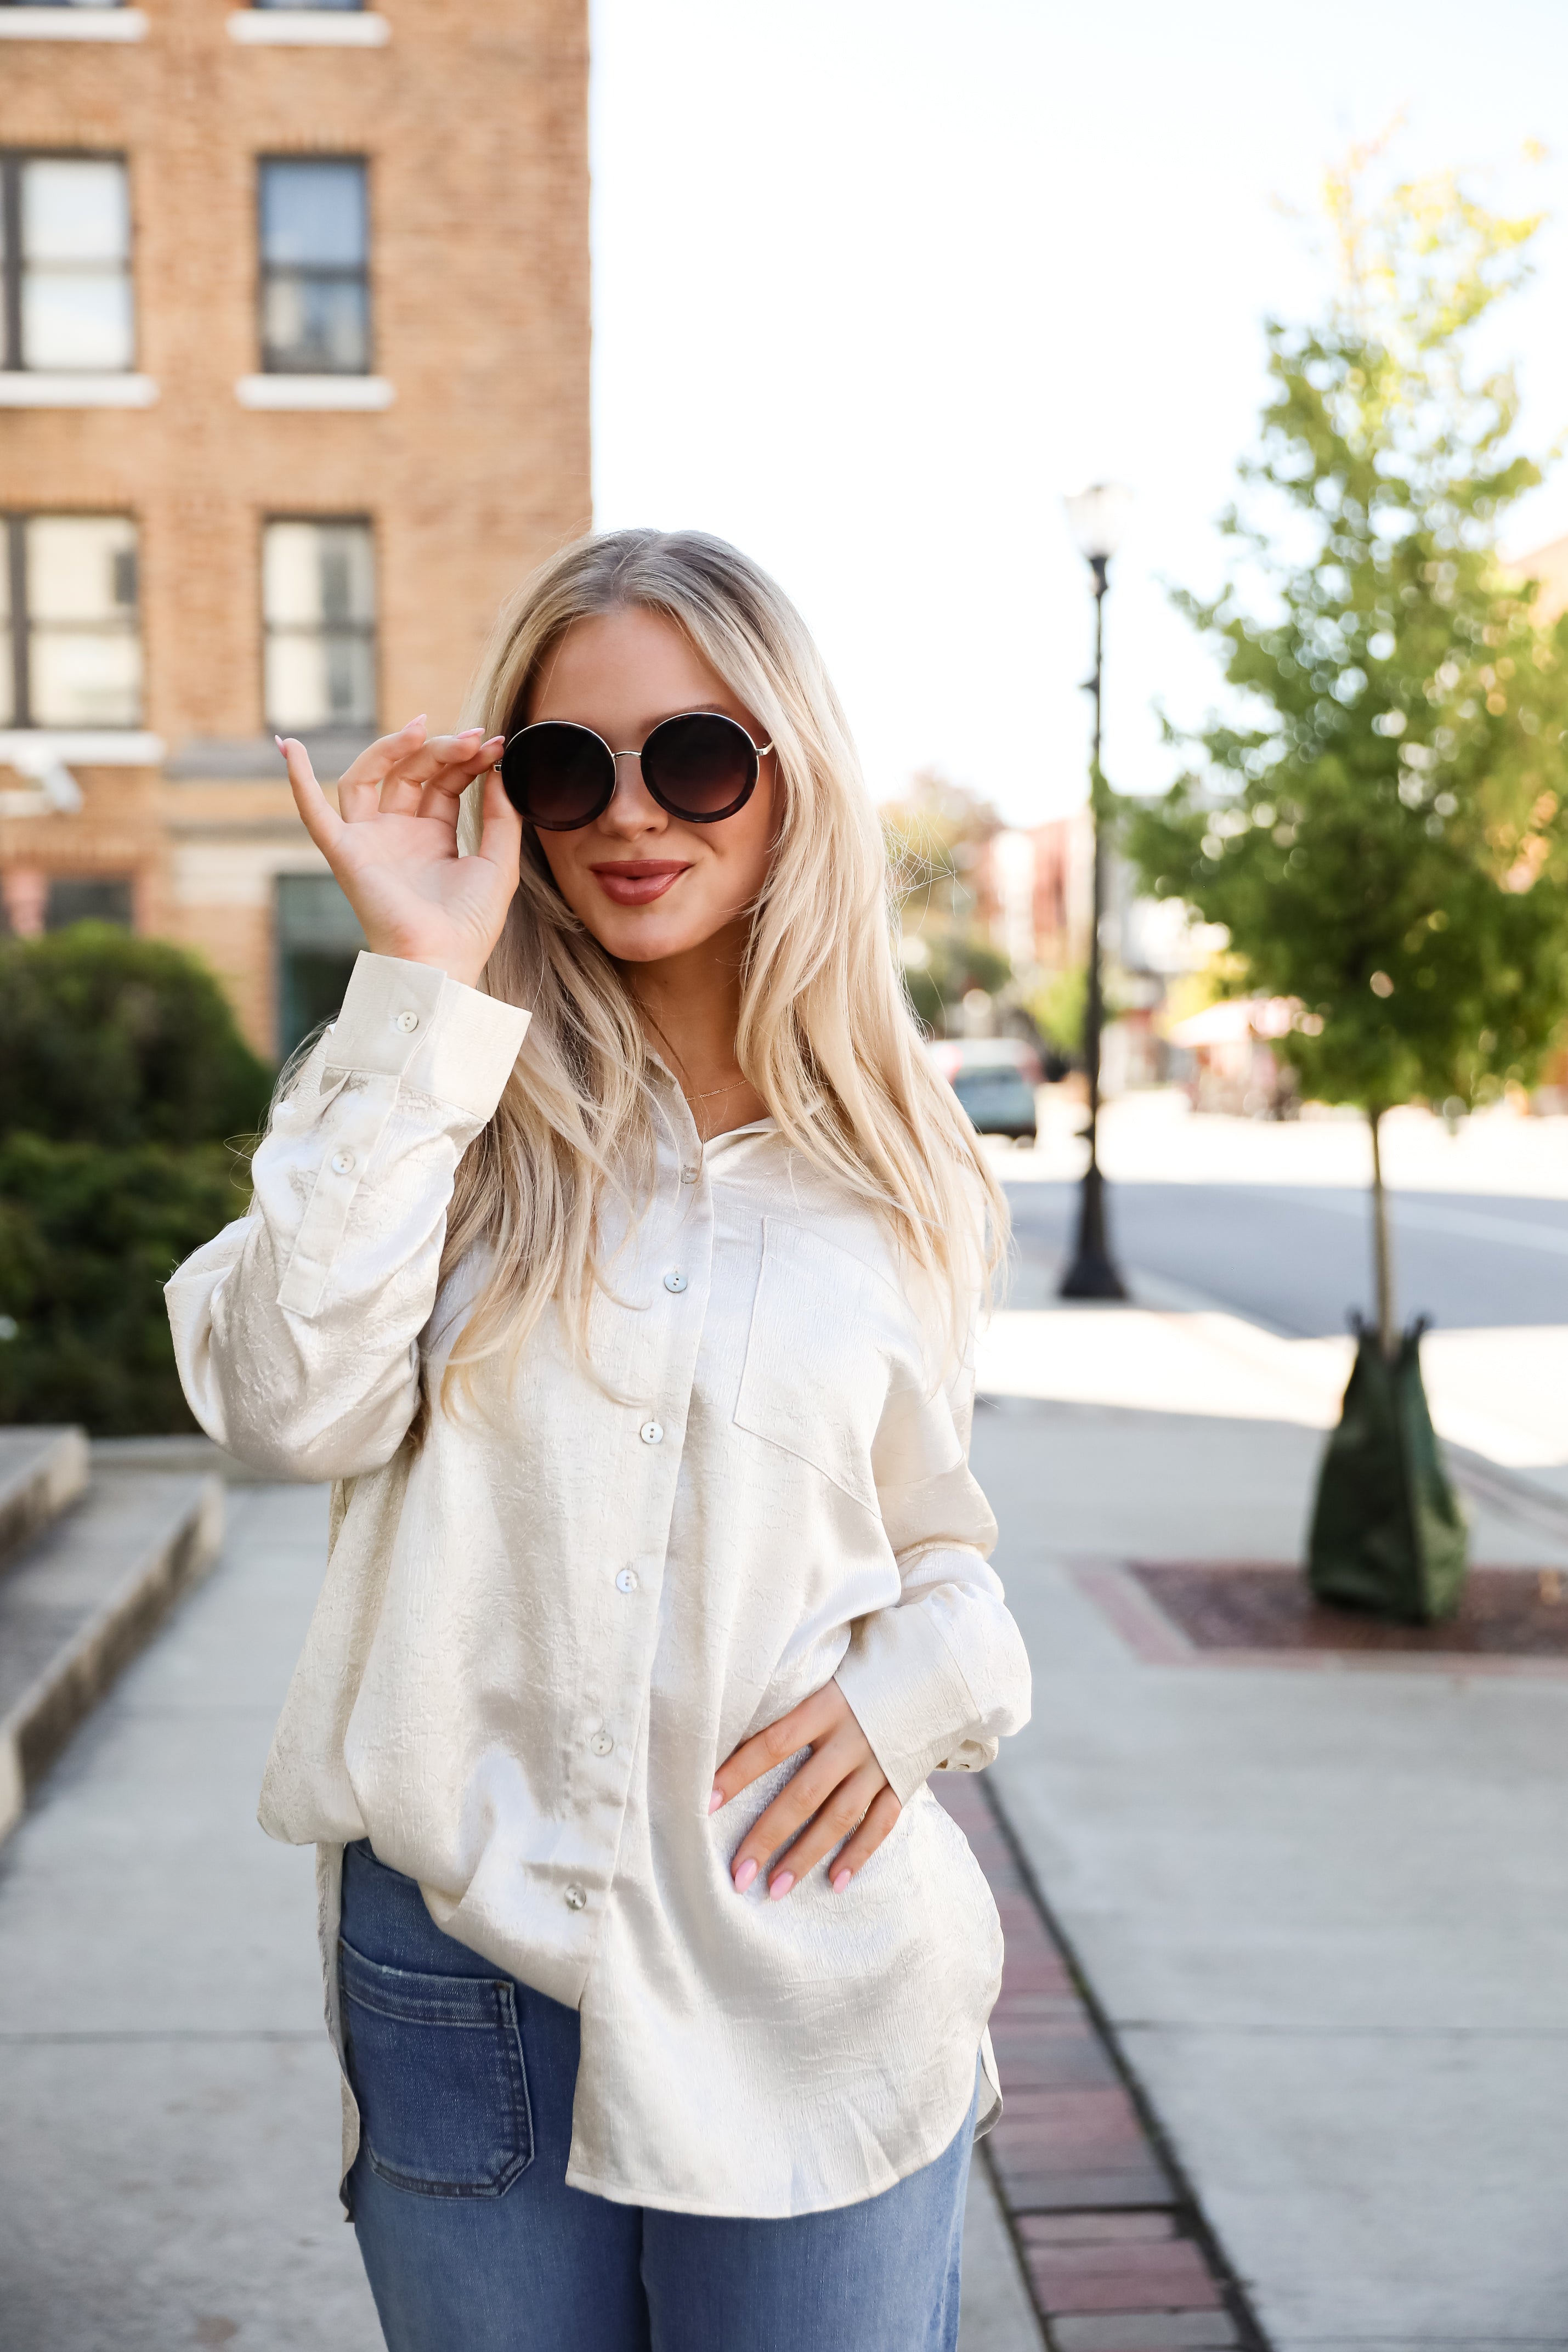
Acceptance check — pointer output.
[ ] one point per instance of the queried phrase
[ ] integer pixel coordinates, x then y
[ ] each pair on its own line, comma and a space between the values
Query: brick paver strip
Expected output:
1117, 2256
1169, 2277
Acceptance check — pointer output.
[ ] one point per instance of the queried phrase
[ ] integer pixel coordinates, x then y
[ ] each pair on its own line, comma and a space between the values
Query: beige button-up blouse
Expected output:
543, 1627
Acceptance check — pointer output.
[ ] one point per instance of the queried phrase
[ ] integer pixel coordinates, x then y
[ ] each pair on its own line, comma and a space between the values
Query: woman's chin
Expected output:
652, 934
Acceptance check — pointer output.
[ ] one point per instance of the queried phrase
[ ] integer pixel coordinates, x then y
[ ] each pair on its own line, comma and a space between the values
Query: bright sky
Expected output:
876, 281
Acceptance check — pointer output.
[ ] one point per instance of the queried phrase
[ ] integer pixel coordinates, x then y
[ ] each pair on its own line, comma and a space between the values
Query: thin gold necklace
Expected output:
691, 1093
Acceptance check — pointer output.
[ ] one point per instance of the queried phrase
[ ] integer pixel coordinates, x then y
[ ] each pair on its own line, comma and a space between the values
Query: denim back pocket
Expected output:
436, 2065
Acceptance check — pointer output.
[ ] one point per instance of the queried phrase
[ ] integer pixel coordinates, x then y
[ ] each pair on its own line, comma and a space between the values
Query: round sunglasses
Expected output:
700, 767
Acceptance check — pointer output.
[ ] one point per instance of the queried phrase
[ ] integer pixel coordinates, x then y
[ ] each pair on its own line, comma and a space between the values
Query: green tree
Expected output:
105, 1038
1381, 827
1380, 823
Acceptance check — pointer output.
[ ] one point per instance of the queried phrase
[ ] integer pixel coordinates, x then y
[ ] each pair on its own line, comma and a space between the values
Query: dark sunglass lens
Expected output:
558, 776
700, 766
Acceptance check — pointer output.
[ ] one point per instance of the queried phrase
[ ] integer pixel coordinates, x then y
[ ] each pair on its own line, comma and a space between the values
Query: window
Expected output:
77, 898
65, 244
68, 608
318, 603
318, 935
315, 288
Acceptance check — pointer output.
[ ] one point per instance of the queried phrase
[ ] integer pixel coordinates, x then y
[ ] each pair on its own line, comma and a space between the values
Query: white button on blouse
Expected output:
815, 1520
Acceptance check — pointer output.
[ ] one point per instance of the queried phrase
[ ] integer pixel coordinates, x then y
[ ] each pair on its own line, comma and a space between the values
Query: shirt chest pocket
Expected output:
823, 1335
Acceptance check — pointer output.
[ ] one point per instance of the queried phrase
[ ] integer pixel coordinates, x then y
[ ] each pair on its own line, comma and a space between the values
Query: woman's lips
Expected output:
638, 881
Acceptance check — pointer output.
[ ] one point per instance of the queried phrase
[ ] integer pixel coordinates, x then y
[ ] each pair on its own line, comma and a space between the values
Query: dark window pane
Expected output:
311, 989
316, 325
104, 900
312, 912
319, 937
313, 213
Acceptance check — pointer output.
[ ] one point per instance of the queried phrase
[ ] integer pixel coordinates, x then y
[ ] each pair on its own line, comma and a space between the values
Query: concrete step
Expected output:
82, 1600
41, 1472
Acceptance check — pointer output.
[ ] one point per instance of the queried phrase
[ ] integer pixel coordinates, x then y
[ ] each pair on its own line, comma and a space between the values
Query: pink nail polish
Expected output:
781, 1886
840, 1880
715, 1801
745, 1874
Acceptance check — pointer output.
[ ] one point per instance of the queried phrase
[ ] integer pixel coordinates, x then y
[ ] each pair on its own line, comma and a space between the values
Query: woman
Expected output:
640, 1350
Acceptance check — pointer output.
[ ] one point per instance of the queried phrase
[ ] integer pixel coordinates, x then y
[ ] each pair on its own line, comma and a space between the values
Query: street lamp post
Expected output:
1096, 517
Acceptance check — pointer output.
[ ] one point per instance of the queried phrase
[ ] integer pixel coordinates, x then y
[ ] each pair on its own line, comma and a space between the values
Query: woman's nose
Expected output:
633, 808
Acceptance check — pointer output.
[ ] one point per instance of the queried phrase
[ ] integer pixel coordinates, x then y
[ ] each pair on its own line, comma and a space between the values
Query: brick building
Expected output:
294, 346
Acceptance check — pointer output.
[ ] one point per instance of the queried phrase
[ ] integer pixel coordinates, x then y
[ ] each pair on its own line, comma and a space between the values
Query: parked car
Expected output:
995, 1079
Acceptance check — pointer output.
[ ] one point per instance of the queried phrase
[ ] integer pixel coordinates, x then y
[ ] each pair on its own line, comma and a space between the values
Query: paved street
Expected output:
1290, 1245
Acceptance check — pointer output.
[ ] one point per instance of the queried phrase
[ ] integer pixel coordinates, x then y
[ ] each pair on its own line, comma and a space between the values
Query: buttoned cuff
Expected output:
909, 1694
410, 1022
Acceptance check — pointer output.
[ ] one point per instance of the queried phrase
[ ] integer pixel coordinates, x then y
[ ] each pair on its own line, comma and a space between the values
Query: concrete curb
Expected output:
49, 1471
190, 1455
38, 1725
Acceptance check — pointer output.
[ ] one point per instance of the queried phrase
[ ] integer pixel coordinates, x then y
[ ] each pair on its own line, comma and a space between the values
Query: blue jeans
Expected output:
473, 2242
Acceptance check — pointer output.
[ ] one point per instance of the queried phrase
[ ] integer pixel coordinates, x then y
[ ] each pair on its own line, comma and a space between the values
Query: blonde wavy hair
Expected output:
826, 1036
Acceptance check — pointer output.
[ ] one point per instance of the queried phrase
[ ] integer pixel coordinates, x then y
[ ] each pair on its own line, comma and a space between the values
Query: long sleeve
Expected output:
296, 1329
942, 1677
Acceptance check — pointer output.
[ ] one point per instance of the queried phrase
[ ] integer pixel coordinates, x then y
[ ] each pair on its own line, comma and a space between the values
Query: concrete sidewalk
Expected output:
168, 2166
166, 2173
1324, 1911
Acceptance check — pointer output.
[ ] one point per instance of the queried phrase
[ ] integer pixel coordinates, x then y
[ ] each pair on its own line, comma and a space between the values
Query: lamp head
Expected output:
1097, 518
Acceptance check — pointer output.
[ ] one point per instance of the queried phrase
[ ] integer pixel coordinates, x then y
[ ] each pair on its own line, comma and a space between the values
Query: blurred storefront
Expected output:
296, 384
1033, 890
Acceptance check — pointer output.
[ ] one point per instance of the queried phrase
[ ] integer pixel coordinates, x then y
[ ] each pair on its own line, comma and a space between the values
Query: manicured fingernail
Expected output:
715, 1801
779, 1887
840, 1880
745, 1874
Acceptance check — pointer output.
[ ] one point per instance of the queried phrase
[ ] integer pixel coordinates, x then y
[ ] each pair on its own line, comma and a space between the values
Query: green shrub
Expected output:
87, 1239
105, 1038
122, 1069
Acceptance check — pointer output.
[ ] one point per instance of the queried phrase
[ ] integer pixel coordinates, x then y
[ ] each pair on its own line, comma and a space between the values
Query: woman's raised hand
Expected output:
392, 841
